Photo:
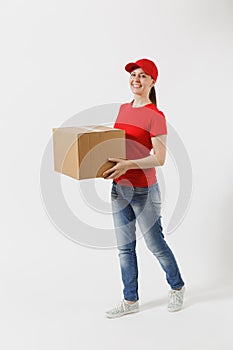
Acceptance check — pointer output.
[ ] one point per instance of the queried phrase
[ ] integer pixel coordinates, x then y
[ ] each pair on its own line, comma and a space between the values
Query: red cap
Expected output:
148, 66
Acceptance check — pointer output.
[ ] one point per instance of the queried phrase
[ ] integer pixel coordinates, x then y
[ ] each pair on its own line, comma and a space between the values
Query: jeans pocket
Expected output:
155, 193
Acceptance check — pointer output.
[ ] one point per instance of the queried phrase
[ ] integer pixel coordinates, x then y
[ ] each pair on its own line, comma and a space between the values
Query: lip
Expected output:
136, 86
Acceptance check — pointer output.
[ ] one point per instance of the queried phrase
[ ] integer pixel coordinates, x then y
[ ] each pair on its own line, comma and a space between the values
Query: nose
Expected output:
136, 78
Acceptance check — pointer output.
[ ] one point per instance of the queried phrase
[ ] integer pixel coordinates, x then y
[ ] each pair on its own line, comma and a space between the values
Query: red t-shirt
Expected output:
140, 124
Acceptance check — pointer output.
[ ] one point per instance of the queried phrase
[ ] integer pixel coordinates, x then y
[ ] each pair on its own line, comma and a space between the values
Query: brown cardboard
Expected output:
83, 152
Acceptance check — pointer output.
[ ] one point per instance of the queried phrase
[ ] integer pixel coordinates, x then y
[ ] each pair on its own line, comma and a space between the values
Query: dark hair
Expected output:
152, 96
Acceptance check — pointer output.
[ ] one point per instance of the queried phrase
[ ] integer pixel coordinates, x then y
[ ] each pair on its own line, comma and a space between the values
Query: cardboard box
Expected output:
83, 152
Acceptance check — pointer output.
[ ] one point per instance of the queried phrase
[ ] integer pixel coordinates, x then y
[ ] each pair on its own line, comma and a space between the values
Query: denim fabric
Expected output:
141, 204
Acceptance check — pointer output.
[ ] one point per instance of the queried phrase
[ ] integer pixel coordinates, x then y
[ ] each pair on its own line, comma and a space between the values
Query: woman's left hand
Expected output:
118, 169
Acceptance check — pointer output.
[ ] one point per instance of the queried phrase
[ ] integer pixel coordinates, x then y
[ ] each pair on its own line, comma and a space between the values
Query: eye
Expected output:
133, 74
143, 76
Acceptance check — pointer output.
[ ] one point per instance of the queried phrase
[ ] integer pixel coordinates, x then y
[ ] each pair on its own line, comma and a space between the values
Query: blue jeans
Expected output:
144, 205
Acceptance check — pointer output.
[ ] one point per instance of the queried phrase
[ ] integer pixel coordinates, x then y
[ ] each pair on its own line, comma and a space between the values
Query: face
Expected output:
140, 82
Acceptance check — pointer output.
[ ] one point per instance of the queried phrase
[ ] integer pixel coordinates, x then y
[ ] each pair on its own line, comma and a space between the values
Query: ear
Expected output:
152, 83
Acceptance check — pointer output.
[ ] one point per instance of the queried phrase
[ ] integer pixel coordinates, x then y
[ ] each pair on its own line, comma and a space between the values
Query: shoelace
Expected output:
120, 307
176, 296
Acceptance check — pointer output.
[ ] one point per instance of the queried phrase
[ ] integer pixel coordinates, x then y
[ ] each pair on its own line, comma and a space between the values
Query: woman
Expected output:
135, 191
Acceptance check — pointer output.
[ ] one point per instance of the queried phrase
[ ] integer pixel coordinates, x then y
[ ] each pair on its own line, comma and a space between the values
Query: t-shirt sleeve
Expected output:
158, 125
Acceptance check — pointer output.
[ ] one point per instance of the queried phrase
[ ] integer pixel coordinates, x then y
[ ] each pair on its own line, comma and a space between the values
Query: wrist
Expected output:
130, 164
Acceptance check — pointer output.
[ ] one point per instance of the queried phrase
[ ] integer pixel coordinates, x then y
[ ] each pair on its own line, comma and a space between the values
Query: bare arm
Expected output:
156, 159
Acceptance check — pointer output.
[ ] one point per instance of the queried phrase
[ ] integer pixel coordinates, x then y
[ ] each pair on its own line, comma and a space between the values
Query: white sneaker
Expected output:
176, 298
123, 309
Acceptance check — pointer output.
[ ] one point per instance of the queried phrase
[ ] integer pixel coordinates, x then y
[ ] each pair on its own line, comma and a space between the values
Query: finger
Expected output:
114, 160
113, 175
109, 171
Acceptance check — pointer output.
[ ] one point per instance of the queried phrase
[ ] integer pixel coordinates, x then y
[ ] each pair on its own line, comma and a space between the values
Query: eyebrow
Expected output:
139, 73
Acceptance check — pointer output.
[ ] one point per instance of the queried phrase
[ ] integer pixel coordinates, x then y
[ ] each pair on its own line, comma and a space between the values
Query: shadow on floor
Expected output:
153, 304
208, 294
195, 296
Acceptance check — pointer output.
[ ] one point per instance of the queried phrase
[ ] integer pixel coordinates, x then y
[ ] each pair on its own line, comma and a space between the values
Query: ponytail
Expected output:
152, 96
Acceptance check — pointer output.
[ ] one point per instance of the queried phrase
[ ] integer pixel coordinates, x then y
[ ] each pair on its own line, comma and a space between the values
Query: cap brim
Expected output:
131, 66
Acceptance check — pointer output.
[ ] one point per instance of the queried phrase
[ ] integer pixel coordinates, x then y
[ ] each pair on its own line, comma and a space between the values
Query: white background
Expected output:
57, 59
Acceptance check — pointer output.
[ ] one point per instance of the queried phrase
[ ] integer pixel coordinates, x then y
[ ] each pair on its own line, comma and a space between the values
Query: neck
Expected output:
140, 101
